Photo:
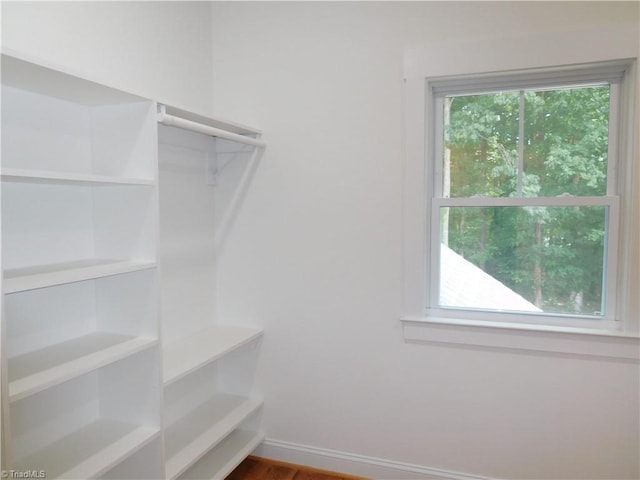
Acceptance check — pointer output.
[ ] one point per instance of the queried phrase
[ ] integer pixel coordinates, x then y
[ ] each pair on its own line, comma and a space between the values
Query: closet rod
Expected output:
178, 122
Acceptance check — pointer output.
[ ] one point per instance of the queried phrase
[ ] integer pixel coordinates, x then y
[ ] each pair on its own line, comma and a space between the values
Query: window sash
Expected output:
564, 201
437, 137
610, 266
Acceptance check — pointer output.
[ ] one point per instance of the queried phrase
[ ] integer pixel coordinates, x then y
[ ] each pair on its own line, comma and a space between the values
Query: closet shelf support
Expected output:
173, 121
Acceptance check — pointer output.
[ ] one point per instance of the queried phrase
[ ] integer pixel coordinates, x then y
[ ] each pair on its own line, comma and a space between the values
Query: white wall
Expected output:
315, 254
161, 50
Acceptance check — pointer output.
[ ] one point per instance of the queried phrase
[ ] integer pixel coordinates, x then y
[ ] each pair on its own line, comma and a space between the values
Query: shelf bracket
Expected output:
211, 165
211, 127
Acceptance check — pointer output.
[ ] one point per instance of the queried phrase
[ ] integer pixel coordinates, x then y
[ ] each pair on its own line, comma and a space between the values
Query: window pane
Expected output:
528, 259
560, 148
480, 145
566, 137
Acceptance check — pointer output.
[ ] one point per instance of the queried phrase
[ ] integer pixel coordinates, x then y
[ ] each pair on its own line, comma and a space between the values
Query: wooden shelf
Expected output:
220, 461
23, 279
35, 371
90, 451
186, 355
190, 437
67, 178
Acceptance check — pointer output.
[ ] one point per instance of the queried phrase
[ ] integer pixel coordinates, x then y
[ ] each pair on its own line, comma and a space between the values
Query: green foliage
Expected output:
553, 256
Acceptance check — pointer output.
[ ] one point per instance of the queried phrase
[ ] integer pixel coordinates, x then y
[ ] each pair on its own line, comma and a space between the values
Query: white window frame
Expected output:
553, 57
612, 73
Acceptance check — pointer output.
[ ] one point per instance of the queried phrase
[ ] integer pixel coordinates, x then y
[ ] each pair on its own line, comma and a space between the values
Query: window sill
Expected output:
503, 336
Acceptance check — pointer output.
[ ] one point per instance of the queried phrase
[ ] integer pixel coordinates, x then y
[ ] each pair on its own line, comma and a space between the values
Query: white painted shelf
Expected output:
50, 81
189, 438
35, 371
227, 125
90, 451
221, 460
67, 178
23, 279
187, 355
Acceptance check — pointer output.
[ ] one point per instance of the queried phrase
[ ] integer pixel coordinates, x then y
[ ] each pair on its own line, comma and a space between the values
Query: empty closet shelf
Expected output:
22, 279
188, 354
190, 437
33, 372
67, 178
220, 461
90, 451
174, 117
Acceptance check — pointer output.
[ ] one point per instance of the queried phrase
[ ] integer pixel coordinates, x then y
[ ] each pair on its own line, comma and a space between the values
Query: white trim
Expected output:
534, 50
354, 464
532, 78
534, 338
555, 78
628, 150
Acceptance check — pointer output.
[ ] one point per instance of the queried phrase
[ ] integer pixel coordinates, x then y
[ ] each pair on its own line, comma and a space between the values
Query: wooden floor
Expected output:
256, 468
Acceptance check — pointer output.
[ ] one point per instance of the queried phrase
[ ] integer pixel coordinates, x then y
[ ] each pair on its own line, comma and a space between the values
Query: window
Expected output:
524, 196
511, 180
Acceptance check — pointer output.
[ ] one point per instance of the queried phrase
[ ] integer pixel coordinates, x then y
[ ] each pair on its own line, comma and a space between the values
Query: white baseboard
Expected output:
354, 464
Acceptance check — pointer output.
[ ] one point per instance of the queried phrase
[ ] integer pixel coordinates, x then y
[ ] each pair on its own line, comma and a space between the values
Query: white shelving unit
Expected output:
202, 408
108, 238
80, 282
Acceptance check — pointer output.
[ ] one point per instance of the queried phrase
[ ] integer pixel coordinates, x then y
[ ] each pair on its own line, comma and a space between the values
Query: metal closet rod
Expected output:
173, 121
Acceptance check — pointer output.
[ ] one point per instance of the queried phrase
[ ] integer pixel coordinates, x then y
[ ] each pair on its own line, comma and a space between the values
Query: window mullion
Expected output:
612, 154
438, 147
520, 168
